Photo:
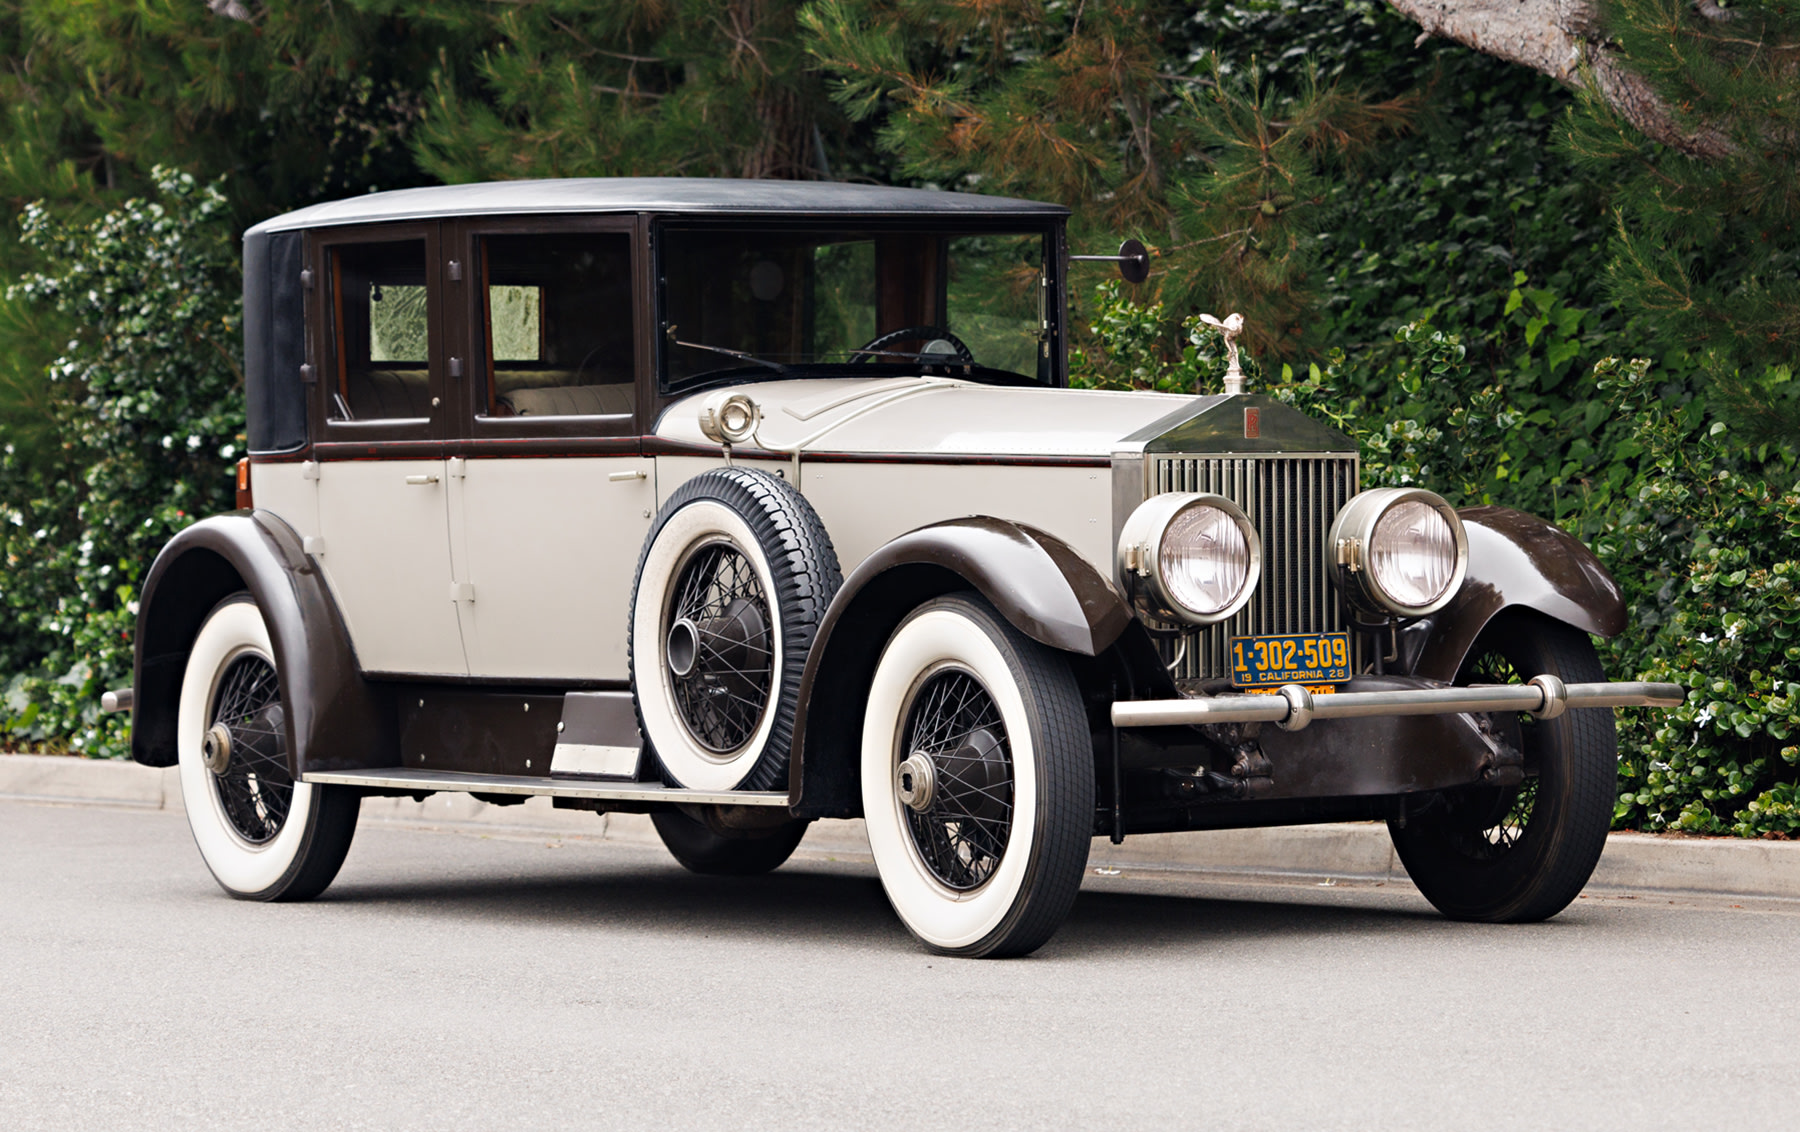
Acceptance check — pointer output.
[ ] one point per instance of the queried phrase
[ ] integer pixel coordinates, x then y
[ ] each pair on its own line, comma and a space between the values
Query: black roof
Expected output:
696, 195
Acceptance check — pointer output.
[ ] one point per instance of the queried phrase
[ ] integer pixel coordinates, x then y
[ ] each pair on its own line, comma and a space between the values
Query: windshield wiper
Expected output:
738, 354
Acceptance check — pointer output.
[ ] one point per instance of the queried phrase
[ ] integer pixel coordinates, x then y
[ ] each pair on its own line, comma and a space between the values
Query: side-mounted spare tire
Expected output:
735, 576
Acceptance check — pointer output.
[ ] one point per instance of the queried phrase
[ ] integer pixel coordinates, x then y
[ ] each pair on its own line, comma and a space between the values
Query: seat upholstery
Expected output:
572, 401
388, 394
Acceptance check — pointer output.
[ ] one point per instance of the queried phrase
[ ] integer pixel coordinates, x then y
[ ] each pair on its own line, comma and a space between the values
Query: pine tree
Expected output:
644, 87
1706, 253
1100, 106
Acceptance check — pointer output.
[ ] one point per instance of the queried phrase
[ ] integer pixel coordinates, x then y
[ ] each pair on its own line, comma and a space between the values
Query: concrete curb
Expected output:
1633, 862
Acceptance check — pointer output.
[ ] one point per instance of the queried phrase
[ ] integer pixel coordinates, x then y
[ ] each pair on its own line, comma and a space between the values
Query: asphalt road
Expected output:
456, 981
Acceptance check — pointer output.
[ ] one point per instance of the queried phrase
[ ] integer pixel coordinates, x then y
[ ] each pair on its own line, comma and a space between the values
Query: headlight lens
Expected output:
1204, 559
1412, 553
1189, 557
1399, 551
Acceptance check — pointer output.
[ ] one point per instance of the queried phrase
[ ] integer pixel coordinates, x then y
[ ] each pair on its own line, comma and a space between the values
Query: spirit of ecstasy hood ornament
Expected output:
1230, 327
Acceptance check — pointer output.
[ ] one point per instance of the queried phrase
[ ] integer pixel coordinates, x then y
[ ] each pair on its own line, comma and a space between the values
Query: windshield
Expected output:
938, 300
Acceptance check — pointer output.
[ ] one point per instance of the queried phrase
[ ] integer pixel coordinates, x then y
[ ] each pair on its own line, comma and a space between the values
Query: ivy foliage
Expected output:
149, 405
1709, 554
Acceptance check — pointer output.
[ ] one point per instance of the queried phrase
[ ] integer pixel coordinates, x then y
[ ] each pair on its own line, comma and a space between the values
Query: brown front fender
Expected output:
1519, 560
334, 720
1040, 585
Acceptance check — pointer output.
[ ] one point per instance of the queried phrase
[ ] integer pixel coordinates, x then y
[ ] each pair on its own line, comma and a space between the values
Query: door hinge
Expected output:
457, 466
309, 470
308, 375
462, 591
313, 545
455, 367
455, 271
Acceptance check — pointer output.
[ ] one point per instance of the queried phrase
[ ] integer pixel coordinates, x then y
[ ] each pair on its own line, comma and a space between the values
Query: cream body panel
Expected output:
549, 547
289, 493
865, 506
935, 416
387, 558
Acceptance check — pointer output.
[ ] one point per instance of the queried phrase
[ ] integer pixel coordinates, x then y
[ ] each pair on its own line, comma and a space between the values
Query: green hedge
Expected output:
149, 413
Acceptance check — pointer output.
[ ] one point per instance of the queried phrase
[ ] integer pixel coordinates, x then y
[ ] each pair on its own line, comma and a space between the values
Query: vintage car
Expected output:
744, 504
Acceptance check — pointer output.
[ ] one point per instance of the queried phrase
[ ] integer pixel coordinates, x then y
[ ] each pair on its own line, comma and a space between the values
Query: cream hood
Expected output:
932, 416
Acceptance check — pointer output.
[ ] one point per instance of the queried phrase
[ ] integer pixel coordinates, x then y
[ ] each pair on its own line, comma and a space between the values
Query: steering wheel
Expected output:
867, 352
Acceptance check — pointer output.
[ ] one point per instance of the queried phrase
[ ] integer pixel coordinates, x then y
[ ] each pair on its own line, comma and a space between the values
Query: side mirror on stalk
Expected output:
1133, 260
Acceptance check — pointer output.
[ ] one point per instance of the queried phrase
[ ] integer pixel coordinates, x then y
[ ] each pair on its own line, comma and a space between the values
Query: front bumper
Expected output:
1292, 706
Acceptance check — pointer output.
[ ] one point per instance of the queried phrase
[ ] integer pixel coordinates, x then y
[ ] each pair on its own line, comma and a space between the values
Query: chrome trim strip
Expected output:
1534, 698
561, 786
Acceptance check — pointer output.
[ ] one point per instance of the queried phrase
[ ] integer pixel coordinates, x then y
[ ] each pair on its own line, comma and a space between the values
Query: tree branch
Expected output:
1557, 38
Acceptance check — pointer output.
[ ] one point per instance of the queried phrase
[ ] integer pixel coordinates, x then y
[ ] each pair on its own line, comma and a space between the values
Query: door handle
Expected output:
421, 481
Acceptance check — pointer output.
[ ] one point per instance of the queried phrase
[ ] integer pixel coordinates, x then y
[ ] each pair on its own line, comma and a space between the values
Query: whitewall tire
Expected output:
735, 576
263, 835
977, 780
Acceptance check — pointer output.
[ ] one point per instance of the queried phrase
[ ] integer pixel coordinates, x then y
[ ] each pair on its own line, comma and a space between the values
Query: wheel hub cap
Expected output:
684, 647
916, 782
215, 748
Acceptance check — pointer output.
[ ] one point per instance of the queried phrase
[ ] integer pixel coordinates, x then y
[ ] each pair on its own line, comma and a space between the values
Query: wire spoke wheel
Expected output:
720, 655
263, 835
955, 736
1487, 823
254, 786
977, 773
1521, 853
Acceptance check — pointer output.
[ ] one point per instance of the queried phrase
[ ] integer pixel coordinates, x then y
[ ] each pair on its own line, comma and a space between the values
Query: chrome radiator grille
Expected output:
1291, 501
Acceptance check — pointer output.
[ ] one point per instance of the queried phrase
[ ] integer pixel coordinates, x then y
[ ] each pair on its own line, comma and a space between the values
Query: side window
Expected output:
844, 311
556, 325
380, 314
996, 298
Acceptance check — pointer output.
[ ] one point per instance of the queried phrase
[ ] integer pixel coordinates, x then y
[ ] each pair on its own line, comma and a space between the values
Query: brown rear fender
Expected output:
334, 720
1035, 580
1520, 561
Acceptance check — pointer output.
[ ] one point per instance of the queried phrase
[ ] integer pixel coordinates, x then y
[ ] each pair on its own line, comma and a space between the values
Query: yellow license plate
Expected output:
1299, 658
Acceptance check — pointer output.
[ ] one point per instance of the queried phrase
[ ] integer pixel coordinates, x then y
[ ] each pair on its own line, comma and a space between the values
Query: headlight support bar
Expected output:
1293, 706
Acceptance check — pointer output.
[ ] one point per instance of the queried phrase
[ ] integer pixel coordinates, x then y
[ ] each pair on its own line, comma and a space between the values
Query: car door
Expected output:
382, 420
550, 495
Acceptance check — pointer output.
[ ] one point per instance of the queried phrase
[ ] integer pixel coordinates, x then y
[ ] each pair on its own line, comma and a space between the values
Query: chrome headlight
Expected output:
1188, 557
1399, 550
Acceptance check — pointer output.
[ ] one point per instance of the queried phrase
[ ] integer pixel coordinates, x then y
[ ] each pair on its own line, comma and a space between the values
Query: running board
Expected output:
560, 786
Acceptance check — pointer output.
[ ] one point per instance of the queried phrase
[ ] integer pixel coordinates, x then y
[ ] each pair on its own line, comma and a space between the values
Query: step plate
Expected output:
559, 786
